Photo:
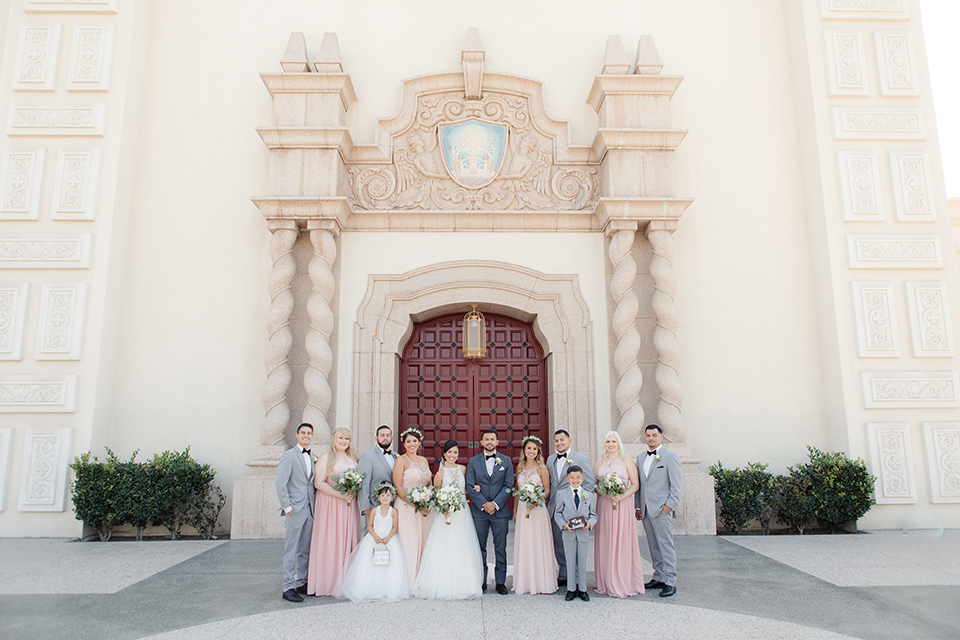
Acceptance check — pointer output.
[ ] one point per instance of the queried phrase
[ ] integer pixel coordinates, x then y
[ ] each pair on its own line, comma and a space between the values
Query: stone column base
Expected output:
697, 514
256, 509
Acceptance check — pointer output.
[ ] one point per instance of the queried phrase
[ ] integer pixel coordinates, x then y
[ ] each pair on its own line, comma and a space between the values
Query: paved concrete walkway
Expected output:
875, 585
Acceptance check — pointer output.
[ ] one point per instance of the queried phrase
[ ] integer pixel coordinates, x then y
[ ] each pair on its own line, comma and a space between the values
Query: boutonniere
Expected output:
657, 457
569, 461
498, 461
315, 459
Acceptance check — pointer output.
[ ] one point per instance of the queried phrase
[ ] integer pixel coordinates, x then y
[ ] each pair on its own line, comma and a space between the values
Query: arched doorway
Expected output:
452, 398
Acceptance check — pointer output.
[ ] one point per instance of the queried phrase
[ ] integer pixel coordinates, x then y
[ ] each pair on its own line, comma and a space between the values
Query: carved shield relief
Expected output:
473, 151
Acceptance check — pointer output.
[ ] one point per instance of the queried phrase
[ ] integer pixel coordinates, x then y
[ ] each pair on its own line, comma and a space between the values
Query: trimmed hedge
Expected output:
830, 489
171, 490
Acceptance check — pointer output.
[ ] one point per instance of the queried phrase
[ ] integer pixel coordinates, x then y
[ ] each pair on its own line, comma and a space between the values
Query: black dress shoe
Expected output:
502, 589
571, 595
292, 595
584, 596
654, 584
483, 587
561, 582
302, 589
667, 591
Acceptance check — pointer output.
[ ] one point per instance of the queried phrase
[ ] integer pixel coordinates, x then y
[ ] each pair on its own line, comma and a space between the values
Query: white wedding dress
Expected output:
365, 580
450, 568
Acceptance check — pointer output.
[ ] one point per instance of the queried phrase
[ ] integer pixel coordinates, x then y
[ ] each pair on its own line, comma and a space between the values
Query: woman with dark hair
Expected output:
410, 472
450, 568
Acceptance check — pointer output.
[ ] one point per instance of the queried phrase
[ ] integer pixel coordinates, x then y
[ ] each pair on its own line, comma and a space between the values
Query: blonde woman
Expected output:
336, 526
534, 567
617, 553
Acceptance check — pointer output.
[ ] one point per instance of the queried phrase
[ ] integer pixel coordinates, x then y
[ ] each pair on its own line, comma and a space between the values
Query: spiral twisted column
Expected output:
316, 379
280, 336
624, 324
667, 373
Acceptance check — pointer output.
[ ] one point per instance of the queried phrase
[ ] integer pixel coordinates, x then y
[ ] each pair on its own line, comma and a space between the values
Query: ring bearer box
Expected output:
578, 522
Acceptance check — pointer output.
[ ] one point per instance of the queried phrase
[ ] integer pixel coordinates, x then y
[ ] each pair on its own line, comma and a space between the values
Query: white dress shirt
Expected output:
306, 461
648, 463
561, 463
390, 459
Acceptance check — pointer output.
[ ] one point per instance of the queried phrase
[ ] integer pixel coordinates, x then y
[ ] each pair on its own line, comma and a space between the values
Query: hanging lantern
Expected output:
474, 334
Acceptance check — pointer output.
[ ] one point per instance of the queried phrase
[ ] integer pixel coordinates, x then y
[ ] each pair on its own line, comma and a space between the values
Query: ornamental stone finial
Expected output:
472, 58
294, 59
648, 60
328, 58
615, 60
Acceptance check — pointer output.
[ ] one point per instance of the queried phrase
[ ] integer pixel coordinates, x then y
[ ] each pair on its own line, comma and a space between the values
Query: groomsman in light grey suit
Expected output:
296, 493
575, 501
558, 462
661, 482
377, 466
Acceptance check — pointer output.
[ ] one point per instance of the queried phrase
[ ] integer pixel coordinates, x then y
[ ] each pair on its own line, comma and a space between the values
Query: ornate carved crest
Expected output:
473, 151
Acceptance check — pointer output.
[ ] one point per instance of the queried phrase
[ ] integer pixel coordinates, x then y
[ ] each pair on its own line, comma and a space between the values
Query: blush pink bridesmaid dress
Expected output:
412, 527
336, 532
617, 560
534, 565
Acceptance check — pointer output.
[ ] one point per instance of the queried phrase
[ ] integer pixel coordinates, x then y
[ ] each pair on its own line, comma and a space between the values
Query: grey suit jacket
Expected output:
566, 509
558, 483
494, 488
374, 465
662, 487
294, 488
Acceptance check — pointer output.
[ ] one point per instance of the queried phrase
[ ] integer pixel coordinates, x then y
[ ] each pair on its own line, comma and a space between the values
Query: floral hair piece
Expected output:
527, 439
385, 485
411, 431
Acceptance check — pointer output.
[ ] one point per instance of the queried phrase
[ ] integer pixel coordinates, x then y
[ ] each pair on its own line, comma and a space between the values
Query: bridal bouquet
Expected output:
530, 494
448, 499
349, 483
421, 498
611, 485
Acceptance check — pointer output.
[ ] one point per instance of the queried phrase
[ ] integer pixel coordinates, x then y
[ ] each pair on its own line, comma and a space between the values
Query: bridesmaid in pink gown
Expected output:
336, 527
411, 470
617, 560
534, 565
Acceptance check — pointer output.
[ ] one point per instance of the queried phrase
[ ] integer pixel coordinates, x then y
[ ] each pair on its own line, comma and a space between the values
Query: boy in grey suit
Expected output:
573, 502
661, 482
296, 493
557, 464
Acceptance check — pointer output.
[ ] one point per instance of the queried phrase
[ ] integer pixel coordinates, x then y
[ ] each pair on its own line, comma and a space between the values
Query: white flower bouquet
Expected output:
448, 499
611, 485
531, 494
420, 498
348, 483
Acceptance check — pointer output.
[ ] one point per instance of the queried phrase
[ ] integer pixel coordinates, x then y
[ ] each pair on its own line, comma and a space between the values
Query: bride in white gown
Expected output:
450, 567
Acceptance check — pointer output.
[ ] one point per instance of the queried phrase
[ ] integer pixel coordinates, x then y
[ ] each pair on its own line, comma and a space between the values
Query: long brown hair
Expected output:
538, 461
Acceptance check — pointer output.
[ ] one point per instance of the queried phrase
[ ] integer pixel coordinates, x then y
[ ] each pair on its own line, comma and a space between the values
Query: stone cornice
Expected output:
660, 139
471, 220
611, 212
308, 138
312, 83
303, 209
611, 84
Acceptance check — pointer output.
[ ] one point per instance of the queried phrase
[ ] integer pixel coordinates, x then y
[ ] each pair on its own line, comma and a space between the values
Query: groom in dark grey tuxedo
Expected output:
661, 482
296, 493
377, 467
489, 480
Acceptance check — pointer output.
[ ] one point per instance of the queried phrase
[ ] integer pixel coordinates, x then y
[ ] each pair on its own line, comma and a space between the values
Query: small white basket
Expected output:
381, 554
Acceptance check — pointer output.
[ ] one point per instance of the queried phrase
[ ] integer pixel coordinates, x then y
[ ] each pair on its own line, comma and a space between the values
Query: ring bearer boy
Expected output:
557, 464
576, 514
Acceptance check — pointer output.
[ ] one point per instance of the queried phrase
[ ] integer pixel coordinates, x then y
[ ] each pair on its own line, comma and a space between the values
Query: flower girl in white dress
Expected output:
366, 580
450, 568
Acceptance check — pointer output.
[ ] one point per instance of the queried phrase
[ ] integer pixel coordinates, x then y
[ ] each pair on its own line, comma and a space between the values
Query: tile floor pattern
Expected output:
737, 587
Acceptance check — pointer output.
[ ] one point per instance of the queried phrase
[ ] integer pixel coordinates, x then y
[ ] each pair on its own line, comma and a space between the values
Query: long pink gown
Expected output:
412, 527
336, 531
617, 560
534, 565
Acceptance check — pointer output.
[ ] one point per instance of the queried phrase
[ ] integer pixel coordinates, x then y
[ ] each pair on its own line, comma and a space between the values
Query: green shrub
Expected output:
842, 488
178, 482
795, 504
92, 492
743, 494
203, 514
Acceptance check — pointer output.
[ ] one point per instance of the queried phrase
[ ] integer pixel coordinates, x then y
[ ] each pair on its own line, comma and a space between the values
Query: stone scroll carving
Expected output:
528, 178
942, 440
891, 460
46, 454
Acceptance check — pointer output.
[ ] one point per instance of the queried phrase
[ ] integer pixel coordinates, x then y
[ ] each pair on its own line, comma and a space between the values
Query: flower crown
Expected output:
385, 485
531, 439
413, 431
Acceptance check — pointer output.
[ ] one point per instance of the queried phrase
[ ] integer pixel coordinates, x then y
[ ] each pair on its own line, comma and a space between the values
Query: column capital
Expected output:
661, 225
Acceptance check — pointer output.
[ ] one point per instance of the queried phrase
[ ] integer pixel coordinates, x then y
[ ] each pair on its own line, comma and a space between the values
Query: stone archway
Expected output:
551, 302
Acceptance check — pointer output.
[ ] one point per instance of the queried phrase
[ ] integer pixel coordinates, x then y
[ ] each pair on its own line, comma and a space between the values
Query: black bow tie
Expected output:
306, 451
491, 456
561, 455
650, 453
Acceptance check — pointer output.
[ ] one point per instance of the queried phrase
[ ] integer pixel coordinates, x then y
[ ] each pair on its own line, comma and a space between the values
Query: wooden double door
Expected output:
452, 398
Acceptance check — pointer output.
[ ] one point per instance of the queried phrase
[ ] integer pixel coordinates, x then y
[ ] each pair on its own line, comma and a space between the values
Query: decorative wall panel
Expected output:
860, 186
46, 456
846, 67
891, 461
38, 394
942, 444
78, 181
57, 119
905, 389
865, 9
913, 186
22, 173
930, 324
898, 63
36, 65
13, 308
875, 315
91, 57
45, 250
6, 437
894, 251
852, 123
71, 6
60, 332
